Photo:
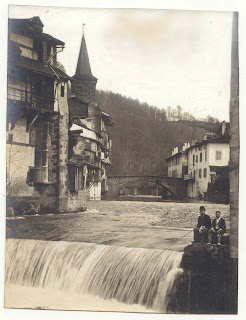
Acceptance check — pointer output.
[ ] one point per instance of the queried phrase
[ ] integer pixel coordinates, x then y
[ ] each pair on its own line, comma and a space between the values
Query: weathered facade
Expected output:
37, 119
52, 165
178, 162
204, 165
90, 151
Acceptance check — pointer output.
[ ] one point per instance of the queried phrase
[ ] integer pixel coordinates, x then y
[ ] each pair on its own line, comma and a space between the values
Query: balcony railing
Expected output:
31, 99
188, 177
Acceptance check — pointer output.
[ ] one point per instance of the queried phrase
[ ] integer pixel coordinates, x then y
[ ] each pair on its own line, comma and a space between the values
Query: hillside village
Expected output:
69, 145
63, 128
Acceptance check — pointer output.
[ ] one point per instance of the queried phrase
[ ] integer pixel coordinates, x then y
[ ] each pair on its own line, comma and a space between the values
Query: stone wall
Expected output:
118, 184
84, 90
77, 200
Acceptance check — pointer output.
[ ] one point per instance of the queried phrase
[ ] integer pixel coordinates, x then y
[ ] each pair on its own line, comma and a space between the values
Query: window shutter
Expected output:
71, 176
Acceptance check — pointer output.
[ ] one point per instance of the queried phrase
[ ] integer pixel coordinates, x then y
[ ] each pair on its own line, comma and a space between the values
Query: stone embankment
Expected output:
208, 268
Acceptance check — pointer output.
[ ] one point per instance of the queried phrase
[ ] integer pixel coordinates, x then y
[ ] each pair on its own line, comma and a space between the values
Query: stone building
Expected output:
37, 118
204, 165
57, 151
90, 150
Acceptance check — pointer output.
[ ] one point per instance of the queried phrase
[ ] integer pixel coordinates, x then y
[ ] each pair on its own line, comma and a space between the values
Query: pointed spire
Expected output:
83, 66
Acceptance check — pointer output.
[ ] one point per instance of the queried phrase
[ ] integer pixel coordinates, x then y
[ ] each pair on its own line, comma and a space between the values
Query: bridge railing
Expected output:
145, 177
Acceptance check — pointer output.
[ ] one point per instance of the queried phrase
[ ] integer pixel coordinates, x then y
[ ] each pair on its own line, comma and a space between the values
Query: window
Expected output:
206, 156
201, 157
200, 173
41, 151
205, 173
218, 155
193, 159
196, 158
76, 120
194, 174
200, 148
62, 90
32, 136
76, 178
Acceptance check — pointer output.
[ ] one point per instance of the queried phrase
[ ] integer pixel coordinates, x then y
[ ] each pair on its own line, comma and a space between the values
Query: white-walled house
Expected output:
178, 162
205, 162
207, 172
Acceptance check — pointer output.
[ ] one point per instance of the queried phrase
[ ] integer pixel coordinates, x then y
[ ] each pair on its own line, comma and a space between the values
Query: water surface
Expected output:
160, 225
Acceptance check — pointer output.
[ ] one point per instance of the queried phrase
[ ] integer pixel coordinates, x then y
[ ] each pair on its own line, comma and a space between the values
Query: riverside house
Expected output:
58, 148
204, 165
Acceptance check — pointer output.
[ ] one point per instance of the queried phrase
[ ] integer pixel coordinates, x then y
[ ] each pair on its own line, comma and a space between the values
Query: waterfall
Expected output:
147, 277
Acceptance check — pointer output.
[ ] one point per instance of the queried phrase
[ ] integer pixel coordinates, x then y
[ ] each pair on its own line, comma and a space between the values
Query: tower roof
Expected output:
83, 70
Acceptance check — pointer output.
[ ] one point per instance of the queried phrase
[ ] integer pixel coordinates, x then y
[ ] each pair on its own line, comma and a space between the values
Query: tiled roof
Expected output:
107, 118
38, 67
33, 27
218, 139
48, 37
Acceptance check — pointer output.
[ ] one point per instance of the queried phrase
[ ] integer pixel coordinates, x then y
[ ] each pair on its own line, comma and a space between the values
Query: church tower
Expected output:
84, 84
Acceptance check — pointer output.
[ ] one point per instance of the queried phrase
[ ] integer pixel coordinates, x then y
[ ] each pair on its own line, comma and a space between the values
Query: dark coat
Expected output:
204, 221
221, 223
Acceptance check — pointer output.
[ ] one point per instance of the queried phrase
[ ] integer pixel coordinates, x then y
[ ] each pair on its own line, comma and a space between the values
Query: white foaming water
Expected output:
131, 276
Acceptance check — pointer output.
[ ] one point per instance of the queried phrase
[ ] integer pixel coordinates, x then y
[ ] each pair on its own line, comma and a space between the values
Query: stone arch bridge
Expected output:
117, 184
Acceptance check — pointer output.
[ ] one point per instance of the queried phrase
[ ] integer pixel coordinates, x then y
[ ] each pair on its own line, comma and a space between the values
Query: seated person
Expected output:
203, 225
218, 229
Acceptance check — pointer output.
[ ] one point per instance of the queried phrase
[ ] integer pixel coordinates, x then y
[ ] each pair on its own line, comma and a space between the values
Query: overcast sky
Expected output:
162, 57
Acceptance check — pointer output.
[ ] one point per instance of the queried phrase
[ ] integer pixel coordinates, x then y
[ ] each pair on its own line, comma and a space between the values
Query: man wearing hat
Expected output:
203, 225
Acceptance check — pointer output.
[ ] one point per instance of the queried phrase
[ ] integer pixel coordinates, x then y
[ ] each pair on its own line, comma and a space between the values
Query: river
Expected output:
158, 225
116, 256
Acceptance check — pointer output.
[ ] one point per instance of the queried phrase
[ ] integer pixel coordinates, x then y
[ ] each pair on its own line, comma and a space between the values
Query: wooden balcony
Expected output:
29, 99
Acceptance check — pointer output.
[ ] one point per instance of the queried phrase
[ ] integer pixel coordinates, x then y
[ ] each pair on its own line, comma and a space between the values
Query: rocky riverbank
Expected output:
208, 268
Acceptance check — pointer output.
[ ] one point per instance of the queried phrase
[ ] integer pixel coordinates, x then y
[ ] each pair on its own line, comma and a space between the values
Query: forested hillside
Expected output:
143, 137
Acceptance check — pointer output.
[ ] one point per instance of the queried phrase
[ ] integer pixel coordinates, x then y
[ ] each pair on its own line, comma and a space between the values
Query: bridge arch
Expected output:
176, 186
144, 188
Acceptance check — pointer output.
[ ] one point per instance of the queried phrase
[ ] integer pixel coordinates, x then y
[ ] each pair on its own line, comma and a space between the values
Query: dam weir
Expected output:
134, 279
151, 278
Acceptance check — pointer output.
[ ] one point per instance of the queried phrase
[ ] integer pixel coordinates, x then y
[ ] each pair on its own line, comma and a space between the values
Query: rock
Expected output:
208, 269
202, 256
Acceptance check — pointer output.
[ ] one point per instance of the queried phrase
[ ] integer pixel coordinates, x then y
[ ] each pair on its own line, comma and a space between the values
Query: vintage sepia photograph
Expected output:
122, 160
